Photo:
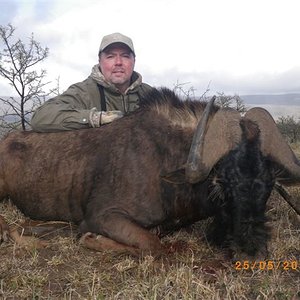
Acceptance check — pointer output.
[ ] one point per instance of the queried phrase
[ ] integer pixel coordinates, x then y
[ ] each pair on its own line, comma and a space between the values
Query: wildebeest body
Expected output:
96, 174
125, 178
76, 167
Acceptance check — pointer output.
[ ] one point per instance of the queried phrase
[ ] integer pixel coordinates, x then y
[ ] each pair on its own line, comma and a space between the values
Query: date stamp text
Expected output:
267, 265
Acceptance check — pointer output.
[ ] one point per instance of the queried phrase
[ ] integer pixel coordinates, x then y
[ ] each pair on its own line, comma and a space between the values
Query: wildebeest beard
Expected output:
246, 180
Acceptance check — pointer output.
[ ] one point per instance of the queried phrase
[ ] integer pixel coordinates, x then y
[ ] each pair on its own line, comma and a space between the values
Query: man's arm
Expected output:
67, 111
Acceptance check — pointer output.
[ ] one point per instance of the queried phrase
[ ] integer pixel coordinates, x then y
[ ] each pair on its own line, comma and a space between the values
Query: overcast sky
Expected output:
231, 46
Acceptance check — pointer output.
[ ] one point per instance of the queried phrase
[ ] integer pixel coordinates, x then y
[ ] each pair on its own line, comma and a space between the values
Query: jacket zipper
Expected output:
126, 109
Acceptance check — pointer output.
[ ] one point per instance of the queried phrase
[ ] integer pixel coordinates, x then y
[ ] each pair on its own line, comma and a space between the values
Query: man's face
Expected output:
117, 64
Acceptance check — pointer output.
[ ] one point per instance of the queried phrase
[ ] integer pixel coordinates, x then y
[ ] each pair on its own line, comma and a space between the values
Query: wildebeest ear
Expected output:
176, 177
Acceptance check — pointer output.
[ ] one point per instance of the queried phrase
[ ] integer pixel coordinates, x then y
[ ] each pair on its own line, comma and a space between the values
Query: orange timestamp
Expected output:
267, 265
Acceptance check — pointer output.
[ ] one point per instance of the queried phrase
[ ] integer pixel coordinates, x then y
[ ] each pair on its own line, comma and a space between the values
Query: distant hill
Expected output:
277, 105
282, 99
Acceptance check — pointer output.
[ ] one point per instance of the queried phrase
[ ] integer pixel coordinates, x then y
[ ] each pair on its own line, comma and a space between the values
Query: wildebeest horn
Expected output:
274, 145
192, 165
212, 142
287, 197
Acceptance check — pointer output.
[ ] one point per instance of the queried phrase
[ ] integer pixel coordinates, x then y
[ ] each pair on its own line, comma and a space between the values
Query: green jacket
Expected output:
71, 109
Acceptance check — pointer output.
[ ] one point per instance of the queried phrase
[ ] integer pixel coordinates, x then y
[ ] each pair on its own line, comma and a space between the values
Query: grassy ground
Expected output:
66, 270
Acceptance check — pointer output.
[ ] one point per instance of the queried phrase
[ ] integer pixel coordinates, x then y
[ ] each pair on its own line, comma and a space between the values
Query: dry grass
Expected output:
66, 270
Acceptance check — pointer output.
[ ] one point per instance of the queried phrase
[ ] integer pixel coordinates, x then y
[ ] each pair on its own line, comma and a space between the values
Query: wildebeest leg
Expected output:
102, 243
122, 230
29, 242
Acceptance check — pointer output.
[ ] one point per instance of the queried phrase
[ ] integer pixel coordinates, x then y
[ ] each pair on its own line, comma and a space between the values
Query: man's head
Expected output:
117, 59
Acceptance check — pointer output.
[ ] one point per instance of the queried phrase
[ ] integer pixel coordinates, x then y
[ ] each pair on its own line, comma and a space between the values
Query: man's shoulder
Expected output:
145, 87
85, 85
87, 82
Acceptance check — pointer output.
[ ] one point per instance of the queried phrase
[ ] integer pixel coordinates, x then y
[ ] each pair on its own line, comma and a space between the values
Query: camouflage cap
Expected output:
116, 38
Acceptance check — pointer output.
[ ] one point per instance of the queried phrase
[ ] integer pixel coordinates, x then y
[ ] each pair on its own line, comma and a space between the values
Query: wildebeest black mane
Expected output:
166, 102
161, 96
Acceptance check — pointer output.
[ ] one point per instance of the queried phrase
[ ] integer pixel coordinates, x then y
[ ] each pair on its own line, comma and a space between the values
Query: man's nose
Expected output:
118, 60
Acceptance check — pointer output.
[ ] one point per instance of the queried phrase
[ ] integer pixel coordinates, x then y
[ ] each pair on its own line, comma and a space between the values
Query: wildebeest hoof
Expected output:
86, 238
4, 230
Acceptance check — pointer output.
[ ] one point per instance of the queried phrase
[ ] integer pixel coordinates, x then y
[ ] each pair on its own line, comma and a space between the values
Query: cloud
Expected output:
233, 46
218, 82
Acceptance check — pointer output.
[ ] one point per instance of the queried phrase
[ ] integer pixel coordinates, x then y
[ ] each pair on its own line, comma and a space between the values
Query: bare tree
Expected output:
223, 100
235, 102
290, 128
18, 63
180, 89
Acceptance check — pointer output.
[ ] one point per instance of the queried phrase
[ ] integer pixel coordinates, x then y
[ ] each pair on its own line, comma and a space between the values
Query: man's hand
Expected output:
109, 116
98, 118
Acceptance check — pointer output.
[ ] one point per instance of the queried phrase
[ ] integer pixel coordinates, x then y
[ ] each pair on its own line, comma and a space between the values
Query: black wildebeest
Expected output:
164, 166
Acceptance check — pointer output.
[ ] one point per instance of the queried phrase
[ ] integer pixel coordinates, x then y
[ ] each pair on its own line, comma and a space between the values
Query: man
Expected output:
112, 90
